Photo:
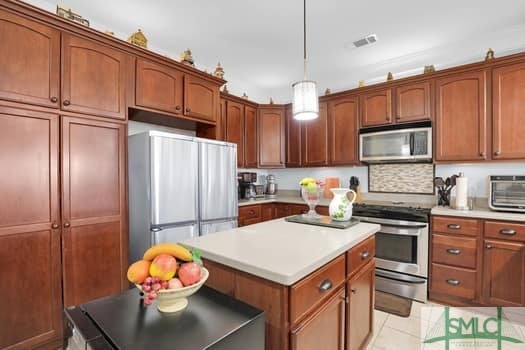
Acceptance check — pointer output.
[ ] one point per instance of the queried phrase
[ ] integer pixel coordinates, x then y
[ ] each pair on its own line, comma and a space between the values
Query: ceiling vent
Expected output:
369, 39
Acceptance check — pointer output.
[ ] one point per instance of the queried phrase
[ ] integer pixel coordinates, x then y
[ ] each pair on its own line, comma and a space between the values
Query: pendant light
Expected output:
305, 100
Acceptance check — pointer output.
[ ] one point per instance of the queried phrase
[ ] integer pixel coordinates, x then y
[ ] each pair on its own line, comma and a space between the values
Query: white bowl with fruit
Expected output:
168, 273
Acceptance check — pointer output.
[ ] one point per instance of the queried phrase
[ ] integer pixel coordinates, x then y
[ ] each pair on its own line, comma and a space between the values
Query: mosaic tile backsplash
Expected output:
401, 178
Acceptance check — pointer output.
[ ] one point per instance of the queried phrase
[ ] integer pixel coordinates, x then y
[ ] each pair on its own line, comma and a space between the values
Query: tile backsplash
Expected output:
401, 178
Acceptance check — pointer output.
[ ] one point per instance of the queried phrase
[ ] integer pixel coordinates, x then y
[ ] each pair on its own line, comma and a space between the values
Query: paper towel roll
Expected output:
461, 193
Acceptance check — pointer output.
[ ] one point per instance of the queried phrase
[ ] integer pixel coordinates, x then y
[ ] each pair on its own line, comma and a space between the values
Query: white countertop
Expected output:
281, 199
280, 251
479, 213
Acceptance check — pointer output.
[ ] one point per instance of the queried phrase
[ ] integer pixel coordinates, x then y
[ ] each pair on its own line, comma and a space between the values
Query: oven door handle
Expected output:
391, 223
400, 277
400, 231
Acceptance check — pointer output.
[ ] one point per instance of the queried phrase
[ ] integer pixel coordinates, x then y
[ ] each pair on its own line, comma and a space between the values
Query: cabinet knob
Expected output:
66, 102
251, 212
454, 226
387, 119
188, 110
453, 282
488, 246
353, 290
482, 154
497, 153
54, 226
325, 285
364, 255
178, 108
67, 224
54, 99
454, 251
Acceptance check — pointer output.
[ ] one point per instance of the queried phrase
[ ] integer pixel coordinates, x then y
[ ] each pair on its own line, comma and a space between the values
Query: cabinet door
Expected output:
93, 78
461, 118
158, 87
360, 309
271, 137
31, 297
235, 128
29, 61
201, 98
293, 139
413, 102
376, 108
324, 329
504, 273
267, 212
250, 137
94, 236
508, 103
343, 131
315, 139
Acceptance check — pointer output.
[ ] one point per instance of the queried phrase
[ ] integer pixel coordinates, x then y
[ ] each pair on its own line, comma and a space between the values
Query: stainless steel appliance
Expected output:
401, 248
179, 187
212, 320
271, 186
397, 143
507, 193
247, 189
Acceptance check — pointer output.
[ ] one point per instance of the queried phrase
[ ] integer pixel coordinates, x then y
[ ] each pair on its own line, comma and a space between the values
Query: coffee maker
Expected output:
246, 189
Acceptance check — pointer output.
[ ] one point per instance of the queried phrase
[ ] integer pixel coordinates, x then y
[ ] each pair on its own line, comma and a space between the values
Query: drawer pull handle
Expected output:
251, 212
325, 285
453, 282
507, 232
364, 255
454, 226
453, 251
488, 246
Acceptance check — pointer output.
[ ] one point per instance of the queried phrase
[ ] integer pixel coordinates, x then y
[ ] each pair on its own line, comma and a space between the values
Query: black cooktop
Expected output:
392, 212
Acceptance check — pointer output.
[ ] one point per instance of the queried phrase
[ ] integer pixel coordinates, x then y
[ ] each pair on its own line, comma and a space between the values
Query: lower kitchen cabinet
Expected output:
249, 214
325, 329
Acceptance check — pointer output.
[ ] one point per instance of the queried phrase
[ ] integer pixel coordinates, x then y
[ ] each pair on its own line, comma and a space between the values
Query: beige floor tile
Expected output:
410, 325
392, 339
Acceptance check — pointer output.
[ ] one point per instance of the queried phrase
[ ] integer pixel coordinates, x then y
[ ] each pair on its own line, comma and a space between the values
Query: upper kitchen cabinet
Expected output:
29, 61
461, 117
293, 139
376, 108
94, 78
158, 87
508, 103
250, 137
201, 98
343, 126
413, 102
315, 139
235, 128
271, 136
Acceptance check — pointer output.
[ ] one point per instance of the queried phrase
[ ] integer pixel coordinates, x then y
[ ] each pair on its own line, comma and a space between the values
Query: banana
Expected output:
306, 181
174, 249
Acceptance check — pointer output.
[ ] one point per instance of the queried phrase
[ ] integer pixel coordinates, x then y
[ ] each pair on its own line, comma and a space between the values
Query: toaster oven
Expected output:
507, 193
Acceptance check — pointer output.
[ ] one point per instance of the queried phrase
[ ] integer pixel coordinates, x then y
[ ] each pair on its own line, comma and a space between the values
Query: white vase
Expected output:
341, 207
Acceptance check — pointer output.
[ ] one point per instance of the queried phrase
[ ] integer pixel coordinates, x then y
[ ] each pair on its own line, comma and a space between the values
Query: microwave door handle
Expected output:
412, 136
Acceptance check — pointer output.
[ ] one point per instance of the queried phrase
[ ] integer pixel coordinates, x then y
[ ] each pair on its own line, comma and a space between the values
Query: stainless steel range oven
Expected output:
401, 249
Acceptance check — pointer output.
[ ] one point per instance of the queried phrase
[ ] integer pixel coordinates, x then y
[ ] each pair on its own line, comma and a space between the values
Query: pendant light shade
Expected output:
305, 101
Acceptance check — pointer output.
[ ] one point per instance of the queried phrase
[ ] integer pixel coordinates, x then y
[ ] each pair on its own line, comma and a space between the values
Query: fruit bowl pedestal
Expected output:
311, 196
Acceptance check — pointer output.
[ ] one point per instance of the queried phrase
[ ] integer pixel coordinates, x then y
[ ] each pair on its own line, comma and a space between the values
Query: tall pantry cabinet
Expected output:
63, 216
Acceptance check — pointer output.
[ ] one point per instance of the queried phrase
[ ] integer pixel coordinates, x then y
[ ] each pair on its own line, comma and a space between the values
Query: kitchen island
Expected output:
314, 283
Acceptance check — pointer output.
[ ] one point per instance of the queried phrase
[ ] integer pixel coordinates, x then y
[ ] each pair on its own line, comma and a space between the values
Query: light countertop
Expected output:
479, 213
281, 199
280, 251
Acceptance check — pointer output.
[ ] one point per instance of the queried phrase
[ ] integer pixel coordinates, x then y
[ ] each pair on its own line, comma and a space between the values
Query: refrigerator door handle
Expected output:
156, 229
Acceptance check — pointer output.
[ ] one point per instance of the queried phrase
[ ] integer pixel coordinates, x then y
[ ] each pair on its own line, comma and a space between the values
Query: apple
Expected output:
174, 283
189, 273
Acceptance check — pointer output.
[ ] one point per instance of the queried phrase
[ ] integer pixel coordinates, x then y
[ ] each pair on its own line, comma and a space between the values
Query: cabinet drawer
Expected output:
250, 212
460, 226
308, 293
456, 251
454, 281
505, 230
361, 254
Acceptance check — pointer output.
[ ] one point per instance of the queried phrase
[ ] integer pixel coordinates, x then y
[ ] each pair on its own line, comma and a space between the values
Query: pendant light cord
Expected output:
304, 38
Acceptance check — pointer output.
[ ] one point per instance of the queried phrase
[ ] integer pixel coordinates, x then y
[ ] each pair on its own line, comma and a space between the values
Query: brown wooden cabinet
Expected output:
29, 61
360, 309
461, 117
413, 102
344, 130
94, 78
94, 235
267, 211
325, 329
376, 107
201, 98
29, 229
158, 87
249, 214
235, 128
270, 127
285, 209
508, 103
251, 137
293, 139
315, 139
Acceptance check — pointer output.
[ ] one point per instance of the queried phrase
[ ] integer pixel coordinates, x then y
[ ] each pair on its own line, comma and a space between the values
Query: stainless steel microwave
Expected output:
507, 192
399, 143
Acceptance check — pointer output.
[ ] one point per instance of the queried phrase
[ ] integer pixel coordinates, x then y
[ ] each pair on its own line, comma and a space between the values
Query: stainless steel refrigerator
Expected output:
179, 187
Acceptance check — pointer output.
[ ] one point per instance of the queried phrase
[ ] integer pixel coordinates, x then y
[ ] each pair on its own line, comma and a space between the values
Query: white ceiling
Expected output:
259, 43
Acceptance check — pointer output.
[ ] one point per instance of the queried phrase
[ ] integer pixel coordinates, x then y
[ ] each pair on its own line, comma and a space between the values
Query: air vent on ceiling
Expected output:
369, 39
